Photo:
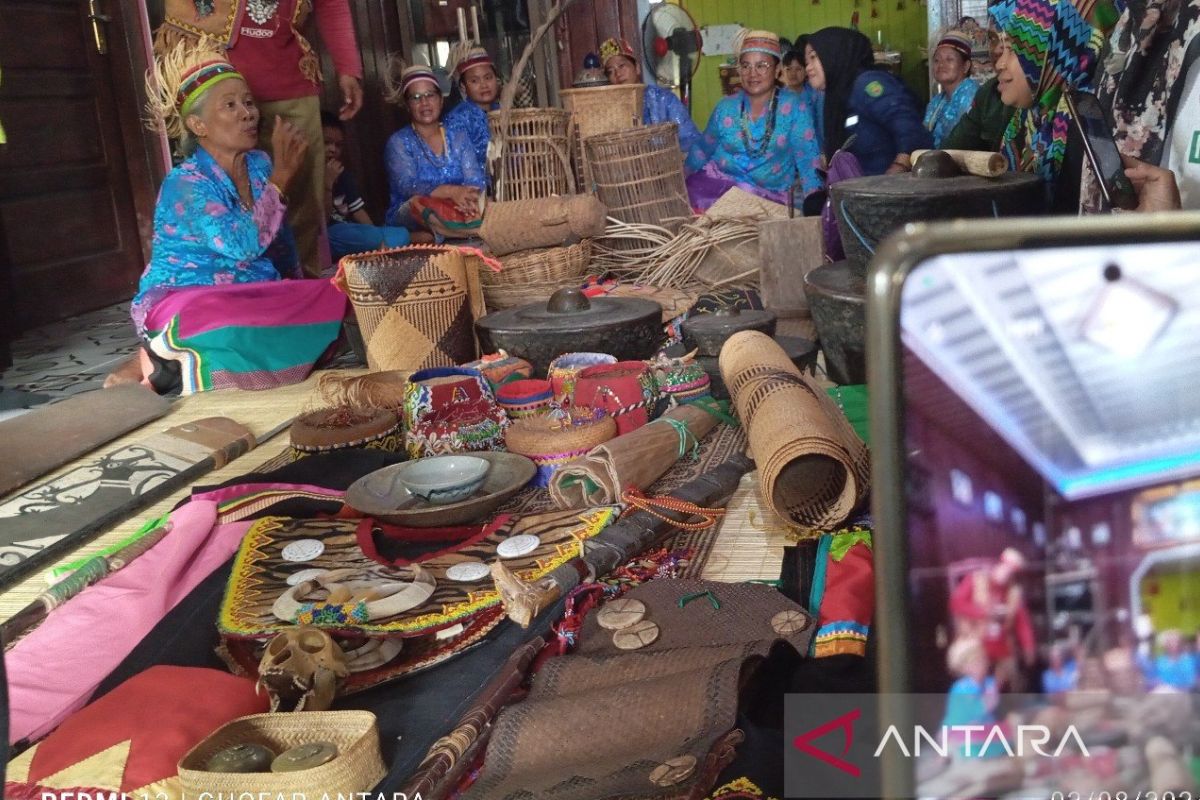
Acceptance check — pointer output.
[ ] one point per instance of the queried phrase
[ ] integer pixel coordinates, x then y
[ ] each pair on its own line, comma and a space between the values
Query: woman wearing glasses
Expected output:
659, 105
871, 105
426, 159
759, 139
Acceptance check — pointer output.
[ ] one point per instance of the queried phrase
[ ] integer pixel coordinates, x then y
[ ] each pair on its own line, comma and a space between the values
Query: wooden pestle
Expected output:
973, 162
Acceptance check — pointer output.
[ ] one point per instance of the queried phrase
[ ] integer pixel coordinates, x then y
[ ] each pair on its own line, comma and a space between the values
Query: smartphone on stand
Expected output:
1096, 131
1042, 576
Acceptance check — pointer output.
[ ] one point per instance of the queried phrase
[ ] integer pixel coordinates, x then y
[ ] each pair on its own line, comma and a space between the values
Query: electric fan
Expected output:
672, 47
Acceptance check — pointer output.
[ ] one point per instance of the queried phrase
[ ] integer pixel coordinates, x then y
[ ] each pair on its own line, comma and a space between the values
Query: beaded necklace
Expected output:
753, 148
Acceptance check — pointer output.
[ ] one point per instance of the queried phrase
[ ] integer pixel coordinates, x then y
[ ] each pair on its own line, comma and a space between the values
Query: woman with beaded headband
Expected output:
760, 138
212, 306
659, 105
480, 86
857, 100
429, 165
1049, 48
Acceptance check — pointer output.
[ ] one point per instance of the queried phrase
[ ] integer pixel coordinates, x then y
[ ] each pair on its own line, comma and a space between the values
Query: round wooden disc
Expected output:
675, 770
789, 622
621, 613
636, 636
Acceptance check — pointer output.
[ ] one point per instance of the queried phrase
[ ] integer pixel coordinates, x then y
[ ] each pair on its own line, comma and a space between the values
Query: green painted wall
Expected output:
904, 29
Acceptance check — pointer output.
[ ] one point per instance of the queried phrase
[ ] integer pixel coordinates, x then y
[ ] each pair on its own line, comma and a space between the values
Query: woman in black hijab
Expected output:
873, 105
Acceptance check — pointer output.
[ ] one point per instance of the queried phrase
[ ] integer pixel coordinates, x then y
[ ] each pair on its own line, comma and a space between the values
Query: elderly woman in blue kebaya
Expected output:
951, 63
213, 308
432, 168
761, 138
659, 105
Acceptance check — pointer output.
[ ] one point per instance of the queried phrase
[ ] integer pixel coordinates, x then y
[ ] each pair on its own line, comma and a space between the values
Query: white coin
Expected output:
297, 578
303, 550
517, 546
468, 571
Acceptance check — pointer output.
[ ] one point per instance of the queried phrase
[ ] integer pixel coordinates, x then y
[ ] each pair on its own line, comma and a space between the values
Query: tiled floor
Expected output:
66, 358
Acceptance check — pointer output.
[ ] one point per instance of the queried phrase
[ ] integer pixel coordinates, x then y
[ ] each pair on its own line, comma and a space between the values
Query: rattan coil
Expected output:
357, 768
533, 275
533, 153
598, 110
638, 175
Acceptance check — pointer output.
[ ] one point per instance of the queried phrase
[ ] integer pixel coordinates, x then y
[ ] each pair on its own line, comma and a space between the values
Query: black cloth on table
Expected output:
413, 711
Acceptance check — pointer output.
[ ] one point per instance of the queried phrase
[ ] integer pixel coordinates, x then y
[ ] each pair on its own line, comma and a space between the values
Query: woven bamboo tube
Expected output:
535, 153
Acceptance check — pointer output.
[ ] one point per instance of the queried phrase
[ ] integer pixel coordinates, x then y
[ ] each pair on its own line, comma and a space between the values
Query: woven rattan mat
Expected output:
266, 413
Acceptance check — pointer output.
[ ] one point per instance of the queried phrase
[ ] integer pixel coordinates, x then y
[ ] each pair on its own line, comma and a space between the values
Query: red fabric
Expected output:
268, 55
164, 711
849, 588
963, 604
614, 387
462, 536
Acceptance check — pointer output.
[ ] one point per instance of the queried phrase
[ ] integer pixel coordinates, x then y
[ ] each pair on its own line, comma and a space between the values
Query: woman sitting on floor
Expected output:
951, 68
212, 304
480, 86
428, 161
659, 105
871, 105
1048, 49
760, 139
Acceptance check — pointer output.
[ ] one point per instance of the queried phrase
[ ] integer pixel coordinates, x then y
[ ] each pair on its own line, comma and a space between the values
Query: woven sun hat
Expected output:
625, 390
565, 368
524, 398
327, 429
551, 440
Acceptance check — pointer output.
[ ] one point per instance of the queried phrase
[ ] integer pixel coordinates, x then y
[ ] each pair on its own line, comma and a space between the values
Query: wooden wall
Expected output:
588, 23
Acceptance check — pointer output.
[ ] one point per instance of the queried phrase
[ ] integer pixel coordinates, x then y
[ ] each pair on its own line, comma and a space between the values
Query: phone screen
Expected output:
1053, 501
1102, 150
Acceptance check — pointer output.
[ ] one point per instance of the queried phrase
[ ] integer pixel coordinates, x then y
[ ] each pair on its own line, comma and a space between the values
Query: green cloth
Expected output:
853, 402
982, 127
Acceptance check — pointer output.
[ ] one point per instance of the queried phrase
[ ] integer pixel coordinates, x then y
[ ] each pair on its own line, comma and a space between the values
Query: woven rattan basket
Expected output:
533, 153
598, 110
551, 440
357, 768
638, 175
533, 275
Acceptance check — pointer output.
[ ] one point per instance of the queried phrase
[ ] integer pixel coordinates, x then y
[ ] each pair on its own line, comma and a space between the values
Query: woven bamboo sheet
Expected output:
266, 413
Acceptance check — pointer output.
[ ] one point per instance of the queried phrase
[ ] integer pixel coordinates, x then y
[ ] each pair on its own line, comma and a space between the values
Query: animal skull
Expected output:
301, 669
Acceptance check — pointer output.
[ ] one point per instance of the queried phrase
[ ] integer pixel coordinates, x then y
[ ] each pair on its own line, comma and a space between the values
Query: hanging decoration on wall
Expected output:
874, 9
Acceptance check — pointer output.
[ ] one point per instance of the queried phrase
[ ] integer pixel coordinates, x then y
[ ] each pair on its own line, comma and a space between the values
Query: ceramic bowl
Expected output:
439, 480
381, 496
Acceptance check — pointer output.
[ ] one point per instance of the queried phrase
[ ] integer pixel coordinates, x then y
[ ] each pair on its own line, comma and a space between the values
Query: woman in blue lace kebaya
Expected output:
951, 66
480, 86
428, 159
212, 307
659, 105
760, 139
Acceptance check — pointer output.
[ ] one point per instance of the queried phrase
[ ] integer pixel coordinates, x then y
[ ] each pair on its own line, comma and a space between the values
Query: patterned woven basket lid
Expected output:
574, 430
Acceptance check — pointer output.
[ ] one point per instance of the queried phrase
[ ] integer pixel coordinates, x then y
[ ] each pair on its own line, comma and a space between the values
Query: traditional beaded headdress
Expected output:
179, 79
757, 42
476, 56
616, 47
400, 76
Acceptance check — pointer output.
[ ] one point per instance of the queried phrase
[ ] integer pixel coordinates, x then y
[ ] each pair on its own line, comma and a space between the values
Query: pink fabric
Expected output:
54, 670
267, 304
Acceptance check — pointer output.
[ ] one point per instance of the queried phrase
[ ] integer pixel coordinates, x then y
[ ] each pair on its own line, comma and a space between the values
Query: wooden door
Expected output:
585, 25
70, 224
